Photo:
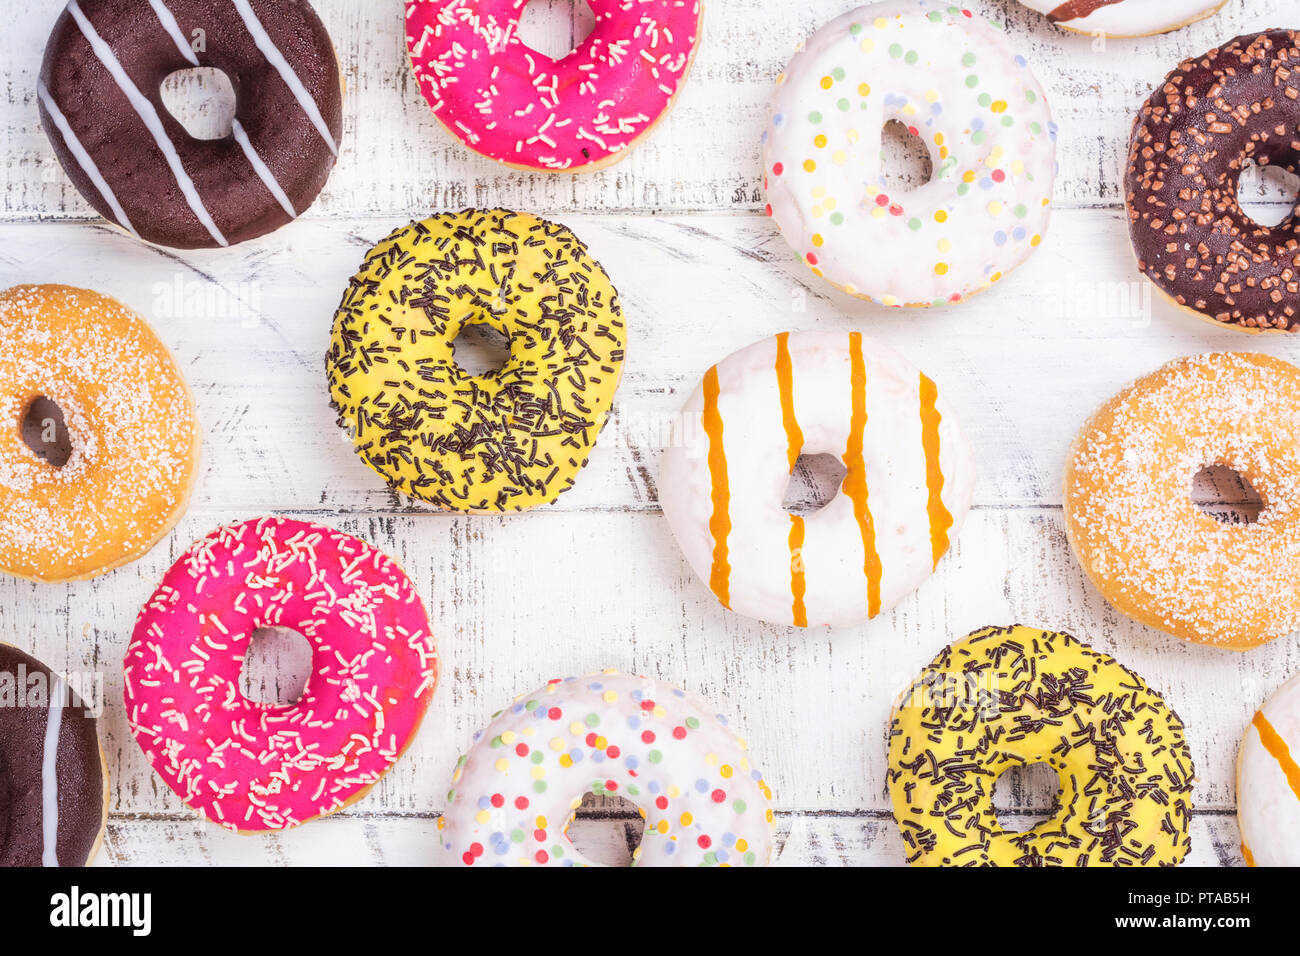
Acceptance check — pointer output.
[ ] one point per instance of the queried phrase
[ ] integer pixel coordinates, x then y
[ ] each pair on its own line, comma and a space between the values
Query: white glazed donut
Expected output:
909, 478
1268, 781
981, 113
1124, 18
515, 792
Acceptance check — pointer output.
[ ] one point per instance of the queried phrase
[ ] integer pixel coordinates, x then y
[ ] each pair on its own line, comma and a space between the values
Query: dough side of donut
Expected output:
1128, 513
146, 491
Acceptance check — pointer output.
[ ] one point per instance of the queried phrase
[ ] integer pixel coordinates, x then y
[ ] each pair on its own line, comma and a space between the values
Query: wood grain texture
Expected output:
597, 580
803, 839
397, 159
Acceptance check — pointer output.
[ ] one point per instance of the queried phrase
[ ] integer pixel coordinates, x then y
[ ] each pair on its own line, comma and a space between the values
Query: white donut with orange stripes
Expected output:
1268, 781
909, 478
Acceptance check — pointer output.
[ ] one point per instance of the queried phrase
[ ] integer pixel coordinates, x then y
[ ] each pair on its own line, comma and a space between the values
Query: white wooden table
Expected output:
702, 272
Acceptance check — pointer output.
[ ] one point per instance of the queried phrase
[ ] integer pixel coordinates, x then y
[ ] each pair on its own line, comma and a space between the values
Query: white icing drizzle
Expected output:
149, 116
263, 171
83, 158
49, 775
277, 60
173, 29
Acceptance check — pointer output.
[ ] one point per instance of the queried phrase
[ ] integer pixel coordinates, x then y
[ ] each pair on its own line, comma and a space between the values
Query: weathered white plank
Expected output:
803, 839
517, 601
1024, 363
396, 159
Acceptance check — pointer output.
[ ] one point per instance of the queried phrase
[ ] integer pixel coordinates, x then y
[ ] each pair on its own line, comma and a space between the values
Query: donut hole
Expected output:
555, 28
814, 483
607, 829
1267, 193
1226, 495
202, 100
276, 666
45, 432
1020, 791
481, 350
905, 162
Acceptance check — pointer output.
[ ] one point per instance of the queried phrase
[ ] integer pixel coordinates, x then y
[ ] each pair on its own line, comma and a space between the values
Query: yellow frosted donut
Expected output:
1128, 510
506, 440
1015, 696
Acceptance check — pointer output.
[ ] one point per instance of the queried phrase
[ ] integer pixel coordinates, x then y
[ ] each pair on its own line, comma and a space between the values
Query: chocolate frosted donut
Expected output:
1213, 115
101, 107
53, 781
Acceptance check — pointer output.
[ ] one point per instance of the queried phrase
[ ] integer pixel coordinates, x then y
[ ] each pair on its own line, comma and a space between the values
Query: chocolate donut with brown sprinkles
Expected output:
53, 780
1237, 105
100, 101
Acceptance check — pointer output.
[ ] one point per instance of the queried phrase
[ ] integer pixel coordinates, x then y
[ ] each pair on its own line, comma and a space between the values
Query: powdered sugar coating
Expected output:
130, 417
507, 101
250, 766
1133, 524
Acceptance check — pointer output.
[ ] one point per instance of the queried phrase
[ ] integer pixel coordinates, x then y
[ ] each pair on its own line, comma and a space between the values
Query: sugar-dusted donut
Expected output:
1124, 18
101, 106
515, 792
1212, 116
1131, 519
977, 107
1268, 781
520, 107
509, 439
1017, 696
87, 363
249, 766
53, 777
907, 487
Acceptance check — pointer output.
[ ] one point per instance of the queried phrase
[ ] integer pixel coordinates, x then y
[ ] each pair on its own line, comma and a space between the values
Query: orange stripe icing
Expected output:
1276, 746
793, 446
855, 482
785, 382
1246, 855
720, 521
798, 585
940, 517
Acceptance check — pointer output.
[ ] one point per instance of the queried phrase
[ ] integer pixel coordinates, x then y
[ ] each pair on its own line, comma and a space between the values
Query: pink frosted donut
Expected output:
507, 101
249, 766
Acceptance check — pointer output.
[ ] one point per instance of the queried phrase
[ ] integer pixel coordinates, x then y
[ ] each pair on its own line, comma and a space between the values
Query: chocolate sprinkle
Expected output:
503, 441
